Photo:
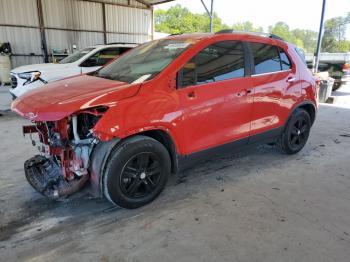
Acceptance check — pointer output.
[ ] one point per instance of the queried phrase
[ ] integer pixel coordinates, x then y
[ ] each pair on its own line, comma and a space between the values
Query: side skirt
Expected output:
186, 161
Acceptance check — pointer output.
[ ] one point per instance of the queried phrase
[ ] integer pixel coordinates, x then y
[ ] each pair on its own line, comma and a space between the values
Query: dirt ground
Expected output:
258, 205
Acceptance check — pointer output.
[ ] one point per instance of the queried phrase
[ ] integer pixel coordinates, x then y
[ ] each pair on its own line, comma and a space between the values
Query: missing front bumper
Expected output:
45, 176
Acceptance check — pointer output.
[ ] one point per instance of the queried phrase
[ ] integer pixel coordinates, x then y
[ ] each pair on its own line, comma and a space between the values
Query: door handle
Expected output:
291, 80
191, 95
244, 92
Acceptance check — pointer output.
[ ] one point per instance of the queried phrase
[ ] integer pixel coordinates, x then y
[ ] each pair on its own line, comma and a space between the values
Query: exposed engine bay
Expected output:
65, 146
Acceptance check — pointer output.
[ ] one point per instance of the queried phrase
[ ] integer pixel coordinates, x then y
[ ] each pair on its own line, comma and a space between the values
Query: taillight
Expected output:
346, 68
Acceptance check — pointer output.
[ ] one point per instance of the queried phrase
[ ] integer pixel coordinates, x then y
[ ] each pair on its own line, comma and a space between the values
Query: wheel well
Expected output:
166, 141
311, 110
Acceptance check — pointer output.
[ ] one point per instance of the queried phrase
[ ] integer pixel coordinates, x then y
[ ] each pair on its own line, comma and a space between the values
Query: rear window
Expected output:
269, 58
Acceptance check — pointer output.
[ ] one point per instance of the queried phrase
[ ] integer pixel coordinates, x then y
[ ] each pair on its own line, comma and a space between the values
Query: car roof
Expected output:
131, 45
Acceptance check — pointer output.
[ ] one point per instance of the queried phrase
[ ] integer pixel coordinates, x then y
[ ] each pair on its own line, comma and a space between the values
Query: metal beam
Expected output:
42, 31
115, 4
319, 40
104, 23
210, 13
144, 3
74, 30
162, 2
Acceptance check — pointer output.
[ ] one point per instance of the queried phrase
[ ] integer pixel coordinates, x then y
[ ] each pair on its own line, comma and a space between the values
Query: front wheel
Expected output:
296, 132
136, 172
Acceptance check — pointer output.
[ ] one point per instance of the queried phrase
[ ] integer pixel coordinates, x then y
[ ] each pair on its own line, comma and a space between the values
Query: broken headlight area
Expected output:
65, 147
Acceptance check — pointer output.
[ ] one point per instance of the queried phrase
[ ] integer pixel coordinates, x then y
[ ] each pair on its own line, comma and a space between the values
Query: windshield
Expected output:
145, 62
76, 56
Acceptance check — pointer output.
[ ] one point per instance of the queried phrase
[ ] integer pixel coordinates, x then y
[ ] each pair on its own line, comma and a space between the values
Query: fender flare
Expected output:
301, 104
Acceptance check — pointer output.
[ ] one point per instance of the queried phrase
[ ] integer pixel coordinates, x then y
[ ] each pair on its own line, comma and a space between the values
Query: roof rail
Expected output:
231, 31
122, 43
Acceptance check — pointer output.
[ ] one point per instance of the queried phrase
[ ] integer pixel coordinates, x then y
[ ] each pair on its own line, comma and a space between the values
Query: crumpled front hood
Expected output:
59, 99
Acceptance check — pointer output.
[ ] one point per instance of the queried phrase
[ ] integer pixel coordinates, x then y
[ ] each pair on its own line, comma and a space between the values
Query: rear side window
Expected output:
266, 58
217, 62
285, 62
106, 55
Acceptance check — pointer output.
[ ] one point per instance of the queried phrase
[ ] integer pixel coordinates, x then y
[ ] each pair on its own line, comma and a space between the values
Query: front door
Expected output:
214, 92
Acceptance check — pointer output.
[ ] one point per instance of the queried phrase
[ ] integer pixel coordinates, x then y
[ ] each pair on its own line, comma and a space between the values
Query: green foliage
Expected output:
308, 38
178, 20
247, 27
334, 35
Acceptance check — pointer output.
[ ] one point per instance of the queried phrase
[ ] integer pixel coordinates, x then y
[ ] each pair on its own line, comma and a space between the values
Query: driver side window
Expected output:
217, 62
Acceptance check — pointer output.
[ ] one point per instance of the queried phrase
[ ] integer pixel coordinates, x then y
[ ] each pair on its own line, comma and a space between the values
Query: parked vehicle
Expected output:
162, 107
90, 59
336, 64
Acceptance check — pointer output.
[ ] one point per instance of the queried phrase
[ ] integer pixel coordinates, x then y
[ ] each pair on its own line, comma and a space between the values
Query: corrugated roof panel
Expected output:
134, 2
137, 39
73, 14
17, 61
61, 40
128, 20
22, 40
124, 2
19, 12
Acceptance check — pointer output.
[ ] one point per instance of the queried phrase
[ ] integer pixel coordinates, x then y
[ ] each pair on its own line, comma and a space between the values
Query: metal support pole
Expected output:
320, 35
211, 16
104, 23
42, 31
210, 13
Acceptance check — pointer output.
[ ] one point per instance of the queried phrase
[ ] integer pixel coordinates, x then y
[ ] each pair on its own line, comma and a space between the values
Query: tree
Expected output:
178, 20
308, 37
334, 34
247, 27
281, 29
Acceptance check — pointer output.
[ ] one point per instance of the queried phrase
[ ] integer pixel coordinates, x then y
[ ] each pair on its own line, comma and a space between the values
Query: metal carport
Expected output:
38, 28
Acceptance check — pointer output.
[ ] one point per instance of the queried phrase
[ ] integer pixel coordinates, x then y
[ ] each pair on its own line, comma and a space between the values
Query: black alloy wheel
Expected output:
299, 132
136, 172
141, 175
296, 132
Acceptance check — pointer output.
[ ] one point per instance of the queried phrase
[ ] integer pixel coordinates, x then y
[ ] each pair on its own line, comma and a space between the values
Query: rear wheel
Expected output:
336, 86
296, 132
136, 172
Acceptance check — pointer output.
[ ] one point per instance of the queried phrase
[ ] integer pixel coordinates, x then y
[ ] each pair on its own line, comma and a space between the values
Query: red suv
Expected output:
163, 106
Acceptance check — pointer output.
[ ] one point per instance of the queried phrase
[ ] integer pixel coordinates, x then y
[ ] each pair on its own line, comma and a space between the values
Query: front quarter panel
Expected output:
154, 110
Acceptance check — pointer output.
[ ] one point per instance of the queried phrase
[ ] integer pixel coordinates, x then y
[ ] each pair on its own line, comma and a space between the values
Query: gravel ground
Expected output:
258, 205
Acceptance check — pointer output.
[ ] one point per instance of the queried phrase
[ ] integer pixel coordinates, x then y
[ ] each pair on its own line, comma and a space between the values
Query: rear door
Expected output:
214, 94
276, 87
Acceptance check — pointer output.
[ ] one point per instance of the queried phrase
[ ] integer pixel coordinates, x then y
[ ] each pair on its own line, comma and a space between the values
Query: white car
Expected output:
90, 59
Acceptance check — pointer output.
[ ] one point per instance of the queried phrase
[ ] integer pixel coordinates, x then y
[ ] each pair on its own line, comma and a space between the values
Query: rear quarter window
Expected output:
285, 62
266, 58
269, 58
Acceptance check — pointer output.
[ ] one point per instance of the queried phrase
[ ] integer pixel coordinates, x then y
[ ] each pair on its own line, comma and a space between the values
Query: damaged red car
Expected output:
163, 106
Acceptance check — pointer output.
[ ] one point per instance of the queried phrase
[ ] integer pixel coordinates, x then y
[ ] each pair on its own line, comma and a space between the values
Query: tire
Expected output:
136, 172
336, 86
296, 132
